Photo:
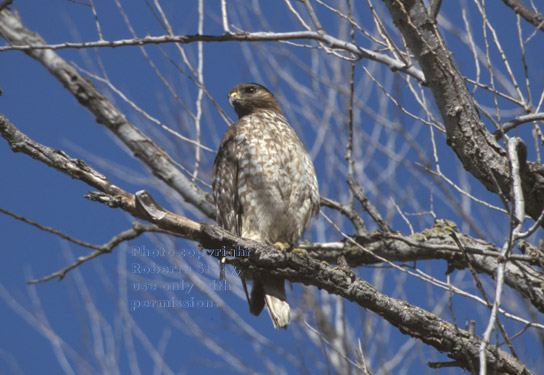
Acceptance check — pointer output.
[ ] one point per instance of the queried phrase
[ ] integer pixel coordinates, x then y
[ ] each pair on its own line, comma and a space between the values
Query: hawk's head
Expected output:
247, 98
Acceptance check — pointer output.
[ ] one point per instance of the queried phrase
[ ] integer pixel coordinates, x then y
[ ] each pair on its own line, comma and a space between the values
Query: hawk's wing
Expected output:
225, 177
225, 184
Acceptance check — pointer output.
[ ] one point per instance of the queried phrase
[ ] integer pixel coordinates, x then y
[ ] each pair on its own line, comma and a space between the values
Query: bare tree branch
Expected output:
512, 124
56, 232
350, 213
23, 39
162, 165
433, 243
460, 345
518, 212
466, 133
535, 19
367, 205
78, 169
136, 230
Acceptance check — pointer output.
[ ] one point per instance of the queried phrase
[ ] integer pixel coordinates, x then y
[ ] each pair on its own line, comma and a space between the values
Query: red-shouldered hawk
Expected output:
264, 186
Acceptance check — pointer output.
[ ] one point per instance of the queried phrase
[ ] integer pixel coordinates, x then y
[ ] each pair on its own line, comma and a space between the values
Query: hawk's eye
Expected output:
250, 89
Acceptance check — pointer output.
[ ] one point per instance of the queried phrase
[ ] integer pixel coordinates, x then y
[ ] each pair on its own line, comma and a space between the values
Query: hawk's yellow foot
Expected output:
283, 247
299, 252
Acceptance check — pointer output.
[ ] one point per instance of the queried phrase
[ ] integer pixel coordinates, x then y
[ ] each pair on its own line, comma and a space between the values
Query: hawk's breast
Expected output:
277, 187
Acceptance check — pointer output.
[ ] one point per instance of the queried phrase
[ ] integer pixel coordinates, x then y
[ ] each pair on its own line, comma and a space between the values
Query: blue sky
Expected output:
41, 108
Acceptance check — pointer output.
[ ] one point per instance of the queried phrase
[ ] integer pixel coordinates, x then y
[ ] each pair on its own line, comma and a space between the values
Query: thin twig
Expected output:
50, 230
313, 17
518, 211
482, 291
136, 230
368, 206
512, 124
297, 15
349, 212
224, 16
200, 95
97, 21
333, 347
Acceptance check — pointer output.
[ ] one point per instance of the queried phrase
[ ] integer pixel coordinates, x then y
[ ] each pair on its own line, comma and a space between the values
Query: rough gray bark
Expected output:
460, 345
466, 134
535, 19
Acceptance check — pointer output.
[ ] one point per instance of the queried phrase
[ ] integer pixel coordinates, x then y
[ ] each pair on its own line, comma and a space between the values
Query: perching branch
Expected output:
296, 266
78, 169
433, 243
418, 323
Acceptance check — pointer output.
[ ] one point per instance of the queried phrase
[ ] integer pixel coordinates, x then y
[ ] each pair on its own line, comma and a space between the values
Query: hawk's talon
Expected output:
283, 247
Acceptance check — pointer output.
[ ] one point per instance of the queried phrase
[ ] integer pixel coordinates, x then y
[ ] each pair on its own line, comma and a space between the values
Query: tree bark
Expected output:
466, 134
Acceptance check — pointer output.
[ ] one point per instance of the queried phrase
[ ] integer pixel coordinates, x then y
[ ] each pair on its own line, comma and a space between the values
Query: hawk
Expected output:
264, 186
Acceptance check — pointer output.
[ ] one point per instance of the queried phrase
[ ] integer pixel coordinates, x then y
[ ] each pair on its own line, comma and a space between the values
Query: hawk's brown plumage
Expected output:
264, 186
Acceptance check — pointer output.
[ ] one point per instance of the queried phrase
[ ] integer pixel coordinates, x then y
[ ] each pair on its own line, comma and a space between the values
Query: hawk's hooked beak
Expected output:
233, 97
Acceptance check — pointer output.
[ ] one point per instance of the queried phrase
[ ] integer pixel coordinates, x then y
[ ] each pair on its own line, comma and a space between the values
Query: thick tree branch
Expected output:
78, 169
433, 243
437, 243
466, 133
535, 19
411, 320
